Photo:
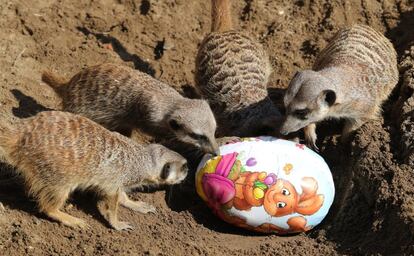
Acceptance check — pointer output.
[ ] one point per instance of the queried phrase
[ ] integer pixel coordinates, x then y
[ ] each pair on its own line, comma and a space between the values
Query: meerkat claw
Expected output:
122, 225
311, 137
315, 147
82, 224
146, 208
311, 143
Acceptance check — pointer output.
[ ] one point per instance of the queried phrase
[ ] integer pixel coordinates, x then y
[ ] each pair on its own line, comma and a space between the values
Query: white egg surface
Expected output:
267, 185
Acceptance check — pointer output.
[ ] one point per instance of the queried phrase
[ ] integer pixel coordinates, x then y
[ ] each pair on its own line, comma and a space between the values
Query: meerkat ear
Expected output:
292, 88
329, 96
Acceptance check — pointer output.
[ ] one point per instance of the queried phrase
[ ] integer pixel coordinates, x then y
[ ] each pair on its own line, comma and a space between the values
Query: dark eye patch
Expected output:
199, 137
165, 171
301, 113
175, 125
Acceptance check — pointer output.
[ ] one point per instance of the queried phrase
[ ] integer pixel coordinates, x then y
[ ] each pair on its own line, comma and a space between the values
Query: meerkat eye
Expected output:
285, 192
199, 137
165, 171
281, 204
174, 125
184, 167
301, 113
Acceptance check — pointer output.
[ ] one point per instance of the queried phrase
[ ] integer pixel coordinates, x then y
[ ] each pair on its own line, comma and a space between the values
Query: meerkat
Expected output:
232, 72
350, 79
59, 152
121, 99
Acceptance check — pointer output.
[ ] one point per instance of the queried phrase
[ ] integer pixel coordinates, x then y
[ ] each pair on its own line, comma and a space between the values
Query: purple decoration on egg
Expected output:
269, 180
251, 161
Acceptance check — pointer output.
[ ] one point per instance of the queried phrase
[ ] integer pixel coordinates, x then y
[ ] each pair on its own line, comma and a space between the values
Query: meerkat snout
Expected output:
169, 167
193, 122
307, 100
174, 172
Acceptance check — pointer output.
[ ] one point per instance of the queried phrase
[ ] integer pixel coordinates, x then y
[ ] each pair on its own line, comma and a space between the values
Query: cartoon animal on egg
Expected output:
224, 183
282, 198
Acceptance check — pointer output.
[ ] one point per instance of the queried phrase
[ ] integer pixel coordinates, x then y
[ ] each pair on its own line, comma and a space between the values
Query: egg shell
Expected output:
265, 197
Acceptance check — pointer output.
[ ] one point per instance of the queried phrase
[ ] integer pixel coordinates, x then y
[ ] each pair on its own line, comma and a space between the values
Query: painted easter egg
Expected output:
267, 185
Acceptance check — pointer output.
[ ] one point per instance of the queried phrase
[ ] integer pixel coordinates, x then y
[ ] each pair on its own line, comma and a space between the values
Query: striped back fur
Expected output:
362, 46
232, 72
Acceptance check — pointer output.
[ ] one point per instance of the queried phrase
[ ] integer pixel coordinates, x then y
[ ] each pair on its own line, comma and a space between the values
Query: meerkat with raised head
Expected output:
351, 78
59, 152
232, 72
121, 99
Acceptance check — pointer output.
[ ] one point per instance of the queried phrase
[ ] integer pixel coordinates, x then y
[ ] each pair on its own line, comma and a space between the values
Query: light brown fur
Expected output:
57, 153
232, 72
221, 16
121, 99
351, 78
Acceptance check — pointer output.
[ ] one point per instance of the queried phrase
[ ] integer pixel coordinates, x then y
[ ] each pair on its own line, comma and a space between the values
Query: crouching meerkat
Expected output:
232, 72
121, 99
351, 78
57, 153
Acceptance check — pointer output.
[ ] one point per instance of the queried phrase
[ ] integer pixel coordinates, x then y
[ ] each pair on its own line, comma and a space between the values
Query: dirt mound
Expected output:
373, 212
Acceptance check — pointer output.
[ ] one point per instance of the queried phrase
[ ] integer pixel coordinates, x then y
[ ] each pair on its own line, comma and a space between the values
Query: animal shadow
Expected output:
276, 95
403, 34
183, 197
28, 106
122, 52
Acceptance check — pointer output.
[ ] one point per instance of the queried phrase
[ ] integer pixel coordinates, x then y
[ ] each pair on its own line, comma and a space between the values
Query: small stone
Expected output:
36, 221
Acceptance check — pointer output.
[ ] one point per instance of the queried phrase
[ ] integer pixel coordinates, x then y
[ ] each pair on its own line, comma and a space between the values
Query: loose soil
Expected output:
373, 212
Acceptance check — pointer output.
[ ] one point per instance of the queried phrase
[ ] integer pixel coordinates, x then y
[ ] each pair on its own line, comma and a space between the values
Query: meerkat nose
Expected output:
215, 150
283, 132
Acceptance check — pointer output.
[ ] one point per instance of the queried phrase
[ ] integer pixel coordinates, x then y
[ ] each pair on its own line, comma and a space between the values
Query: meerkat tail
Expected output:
221, 16
53, 80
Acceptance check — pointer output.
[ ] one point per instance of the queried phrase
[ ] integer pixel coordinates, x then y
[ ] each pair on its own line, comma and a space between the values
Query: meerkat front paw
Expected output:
137, 206
141, 207
66, 219
224, 140
79, 223
349, 129
310, 136
122, 225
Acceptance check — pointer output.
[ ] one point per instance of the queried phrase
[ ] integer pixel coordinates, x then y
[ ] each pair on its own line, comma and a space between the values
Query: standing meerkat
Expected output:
57, 153
351, 78
232, 72
121, 99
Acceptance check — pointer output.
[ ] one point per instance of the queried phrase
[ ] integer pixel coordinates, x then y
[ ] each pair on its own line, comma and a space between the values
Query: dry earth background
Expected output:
373, 212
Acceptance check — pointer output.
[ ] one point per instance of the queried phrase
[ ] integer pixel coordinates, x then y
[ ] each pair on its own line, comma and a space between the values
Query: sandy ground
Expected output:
373, 212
